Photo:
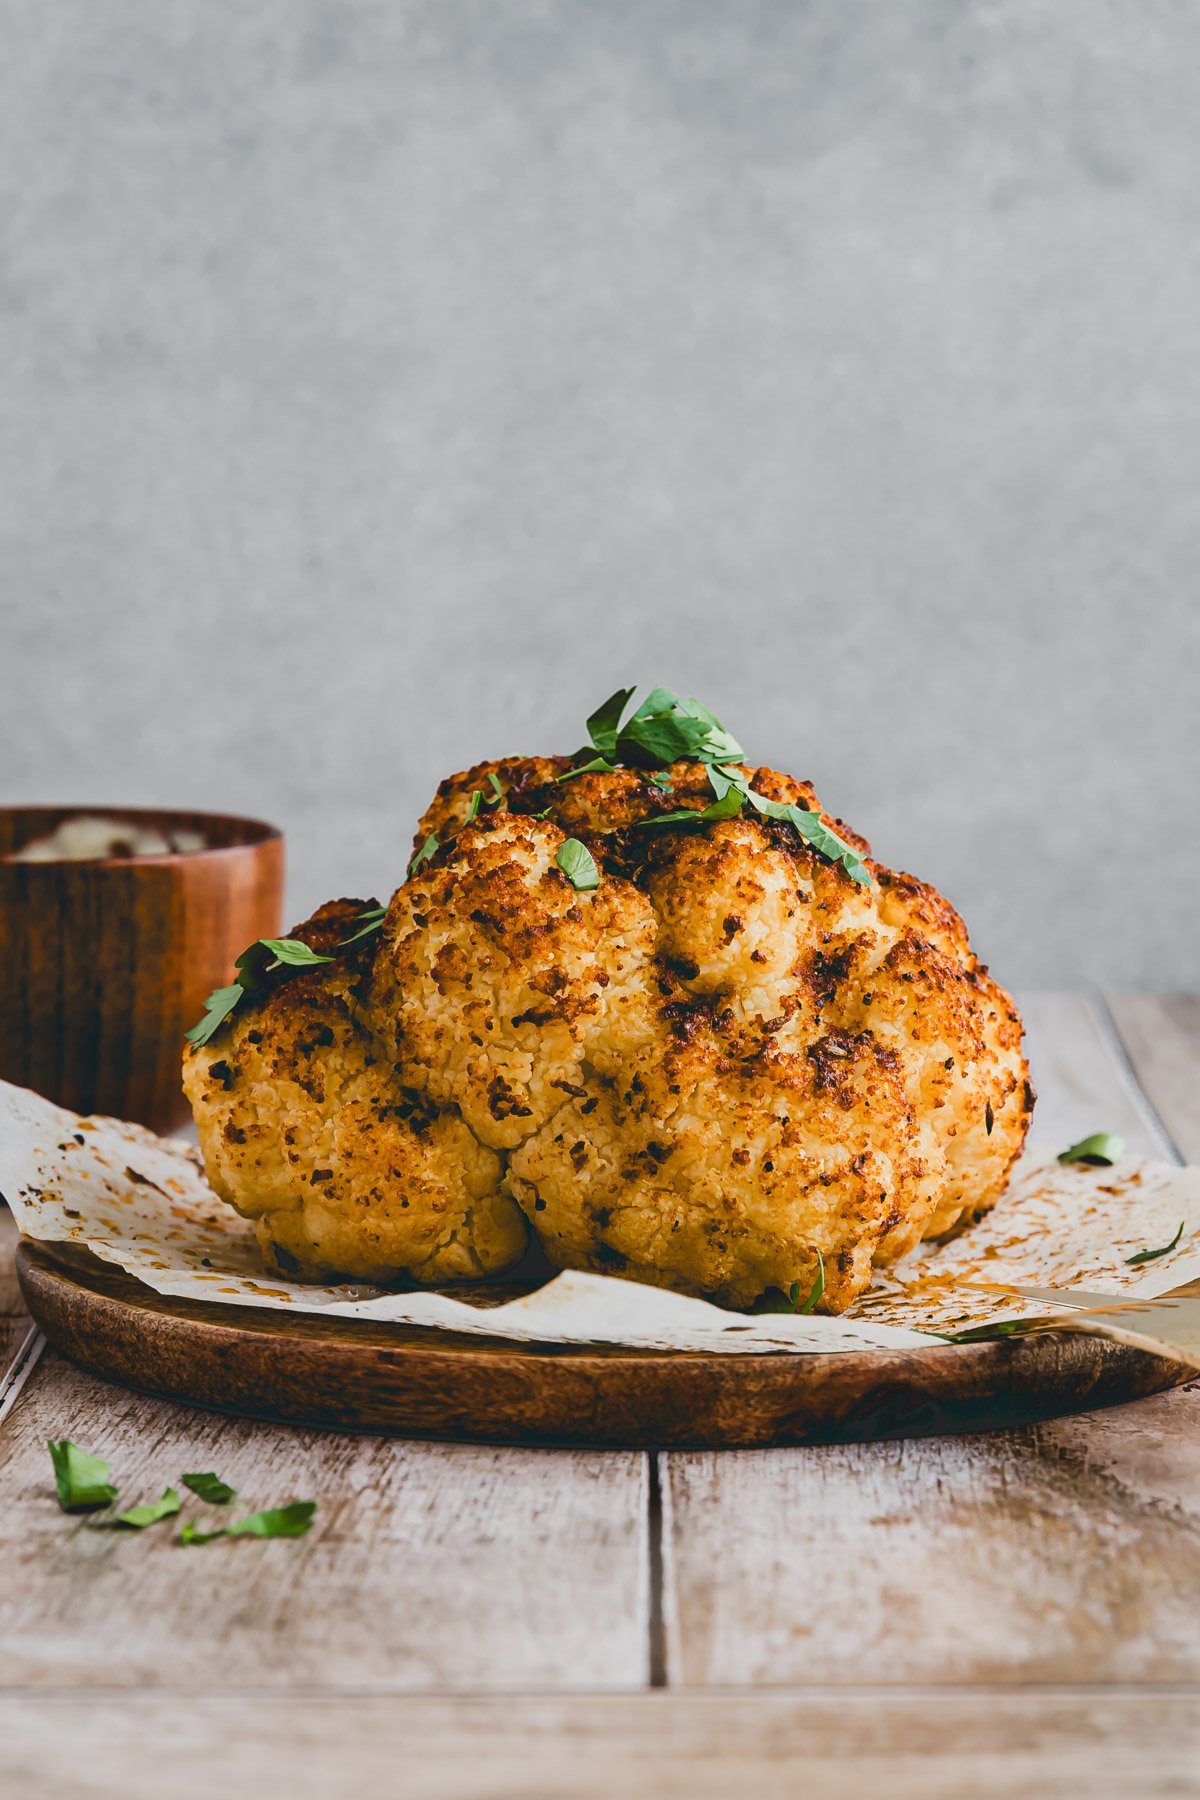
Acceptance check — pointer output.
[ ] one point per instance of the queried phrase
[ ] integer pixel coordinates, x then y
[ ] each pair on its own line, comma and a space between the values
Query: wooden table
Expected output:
992, 1615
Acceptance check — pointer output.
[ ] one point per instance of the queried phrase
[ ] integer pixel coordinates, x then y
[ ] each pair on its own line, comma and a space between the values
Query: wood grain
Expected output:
430, 1566
1108, 1745
105, 964
334, 1372
10, 1292
1161, 1035
1066, 1553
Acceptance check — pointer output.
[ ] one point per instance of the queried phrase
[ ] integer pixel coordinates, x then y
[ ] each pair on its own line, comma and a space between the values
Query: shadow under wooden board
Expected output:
343, 1375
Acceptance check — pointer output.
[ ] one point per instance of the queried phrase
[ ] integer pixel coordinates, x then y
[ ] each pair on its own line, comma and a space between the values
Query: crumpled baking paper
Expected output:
142, 1202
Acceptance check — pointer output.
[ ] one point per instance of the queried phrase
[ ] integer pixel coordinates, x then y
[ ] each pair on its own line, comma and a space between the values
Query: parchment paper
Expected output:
142, 1202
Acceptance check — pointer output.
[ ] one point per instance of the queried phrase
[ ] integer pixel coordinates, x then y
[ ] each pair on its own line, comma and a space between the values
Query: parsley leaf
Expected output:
810, 825
604, 723
728, 806
775, 1300
292, 952
473, 808
666, 728
276, 1521
210, 1487
1145, 1256
578, 865
497, 793
138, 1517
427, 850
1100, 1151
374, 917
217, 1008
81, 1478
818, 1286
597, 764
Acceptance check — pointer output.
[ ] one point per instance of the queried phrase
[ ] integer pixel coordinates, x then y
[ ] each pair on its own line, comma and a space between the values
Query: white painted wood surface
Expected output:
988, 1745
1068, 1553
447, 1566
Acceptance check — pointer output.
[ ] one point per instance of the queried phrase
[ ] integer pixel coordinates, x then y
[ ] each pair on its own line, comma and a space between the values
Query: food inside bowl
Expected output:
650, 1003
91, 838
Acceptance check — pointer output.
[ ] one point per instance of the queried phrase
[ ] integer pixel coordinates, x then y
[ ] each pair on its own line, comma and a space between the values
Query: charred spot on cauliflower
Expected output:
730, 1065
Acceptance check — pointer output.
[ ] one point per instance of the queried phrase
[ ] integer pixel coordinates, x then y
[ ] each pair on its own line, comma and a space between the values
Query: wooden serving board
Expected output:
410, 1381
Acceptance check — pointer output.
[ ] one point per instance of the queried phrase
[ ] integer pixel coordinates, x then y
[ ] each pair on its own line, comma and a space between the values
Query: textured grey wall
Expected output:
384, 382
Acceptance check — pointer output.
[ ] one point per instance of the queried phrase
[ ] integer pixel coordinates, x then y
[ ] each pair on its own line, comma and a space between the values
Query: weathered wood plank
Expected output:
10, 1294
1064, 1553
1060, 1554
1082, 1082
1161, 1035
430, 1565
1108, 1746
20, 1343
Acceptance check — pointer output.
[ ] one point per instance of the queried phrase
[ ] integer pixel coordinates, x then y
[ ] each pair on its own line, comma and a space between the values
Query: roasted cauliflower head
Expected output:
725, 1053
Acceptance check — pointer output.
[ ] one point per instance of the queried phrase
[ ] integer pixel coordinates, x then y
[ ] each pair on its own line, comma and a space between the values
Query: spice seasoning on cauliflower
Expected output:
650, 999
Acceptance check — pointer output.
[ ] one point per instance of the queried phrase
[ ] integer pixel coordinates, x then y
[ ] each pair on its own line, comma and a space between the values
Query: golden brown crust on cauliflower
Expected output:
307, 1130
725, 1059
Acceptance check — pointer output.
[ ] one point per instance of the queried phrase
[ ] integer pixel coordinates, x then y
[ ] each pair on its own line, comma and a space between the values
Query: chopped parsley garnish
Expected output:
210, 1487
775, 1300
291, 952
217, 1008
275, 1522
664, 729
473, 808
138, 1517
82, 1480
253, 966
729, 806
497, 794
667, 729
1100, 1151
371, 920
1145, 1256
578, 865
428, 849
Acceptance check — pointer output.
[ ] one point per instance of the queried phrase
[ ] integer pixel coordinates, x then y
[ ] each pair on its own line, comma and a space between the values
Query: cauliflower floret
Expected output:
726, 1068
307, 1129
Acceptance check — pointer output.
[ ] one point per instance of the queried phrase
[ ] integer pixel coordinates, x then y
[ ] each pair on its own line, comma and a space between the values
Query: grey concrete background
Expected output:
385, 382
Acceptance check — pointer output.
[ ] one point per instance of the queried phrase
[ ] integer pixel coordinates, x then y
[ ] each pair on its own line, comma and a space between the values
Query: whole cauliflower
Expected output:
742, 1061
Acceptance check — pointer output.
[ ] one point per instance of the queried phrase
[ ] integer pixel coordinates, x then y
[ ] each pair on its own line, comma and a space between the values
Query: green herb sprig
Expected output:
253, 966
1100, 1151
1146, 1256
667, 728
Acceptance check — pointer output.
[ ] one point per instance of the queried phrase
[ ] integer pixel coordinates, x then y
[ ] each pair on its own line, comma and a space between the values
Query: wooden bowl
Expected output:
105, 964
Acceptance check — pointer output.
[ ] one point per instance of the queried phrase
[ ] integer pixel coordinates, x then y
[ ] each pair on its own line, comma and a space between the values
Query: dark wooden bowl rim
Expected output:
249, 832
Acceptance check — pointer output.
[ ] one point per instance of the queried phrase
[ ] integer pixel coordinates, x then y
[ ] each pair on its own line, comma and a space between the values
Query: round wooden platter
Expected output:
342, 1375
